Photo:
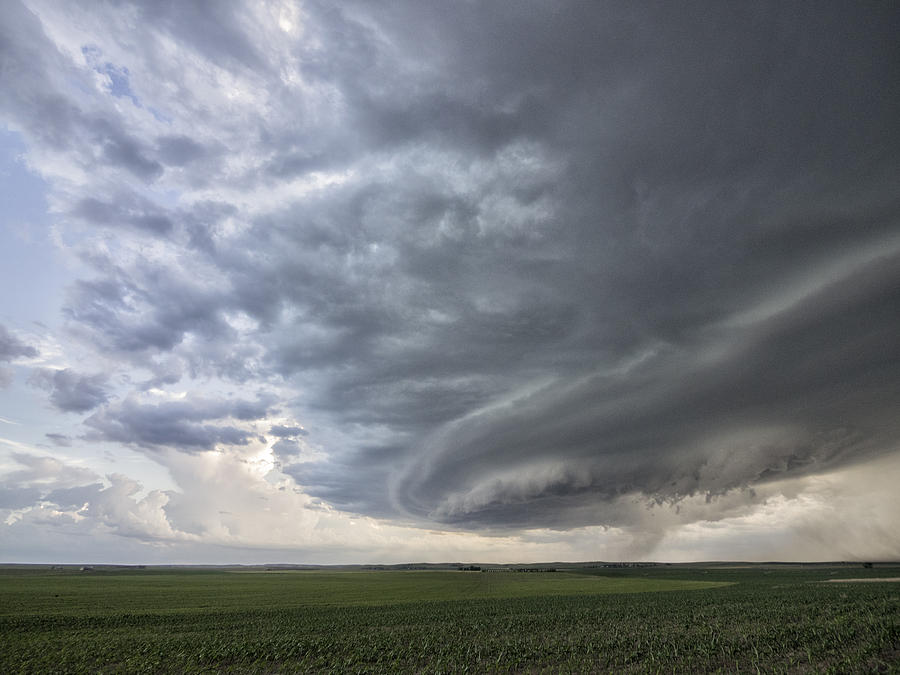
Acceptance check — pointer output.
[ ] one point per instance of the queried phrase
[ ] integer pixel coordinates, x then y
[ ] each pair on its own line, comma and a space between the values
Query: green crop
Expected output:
632, 620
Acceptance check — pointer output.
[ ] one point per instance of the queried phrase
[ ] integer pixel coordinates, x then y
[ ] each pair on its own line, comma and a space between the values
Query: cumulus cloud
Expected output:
12, 347
71, 391
49, 492
178, 424
511, 266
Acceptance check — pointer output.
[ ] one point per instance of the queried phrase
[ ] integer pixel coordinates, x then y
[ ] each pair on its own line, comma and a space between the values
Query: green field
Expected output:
684, 619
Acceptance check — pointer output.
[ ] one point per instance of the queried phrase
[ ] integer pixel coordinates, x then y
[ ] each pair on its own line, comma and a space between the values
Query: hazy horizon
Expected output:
568, 564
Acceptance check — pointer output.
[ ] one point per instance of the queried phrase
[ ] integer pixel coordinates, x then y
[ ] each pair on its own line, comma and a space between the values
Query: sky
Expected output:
374, 282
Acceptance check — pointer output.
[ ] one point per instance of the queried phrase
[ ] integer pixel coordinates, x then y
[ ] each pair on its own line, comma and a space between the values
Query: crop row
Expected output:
746, 627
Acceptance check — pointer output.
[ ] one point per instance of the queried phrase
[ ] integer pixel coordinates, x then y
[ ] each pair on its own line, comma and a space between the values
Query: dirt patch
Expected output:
860, 581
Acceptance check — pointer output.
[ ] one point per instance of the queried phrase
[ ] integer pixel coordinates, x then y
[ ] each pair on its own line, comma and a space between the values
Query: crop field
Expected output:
658, 619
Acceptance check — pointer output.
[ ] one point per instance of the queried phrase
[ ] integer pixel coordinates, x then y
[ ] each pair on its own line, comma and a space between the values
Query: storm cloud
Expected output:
485, 266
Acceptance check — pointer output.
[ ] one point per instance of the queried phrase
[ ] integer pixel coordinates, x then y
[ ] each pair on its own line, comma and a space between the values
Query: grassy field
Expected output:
663, 619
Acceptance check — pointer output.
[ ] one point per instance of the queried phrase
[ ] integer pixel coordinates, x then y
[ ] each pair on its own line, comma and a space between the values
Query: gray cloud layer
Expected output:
570, 252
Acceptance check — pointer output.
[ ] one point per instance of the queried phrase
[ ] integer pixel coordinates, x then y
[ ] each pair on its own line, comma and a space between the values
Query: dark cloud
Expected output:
71, 391
336, 482
516, 261
12, 347
778, 401
178, 424
663, 174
